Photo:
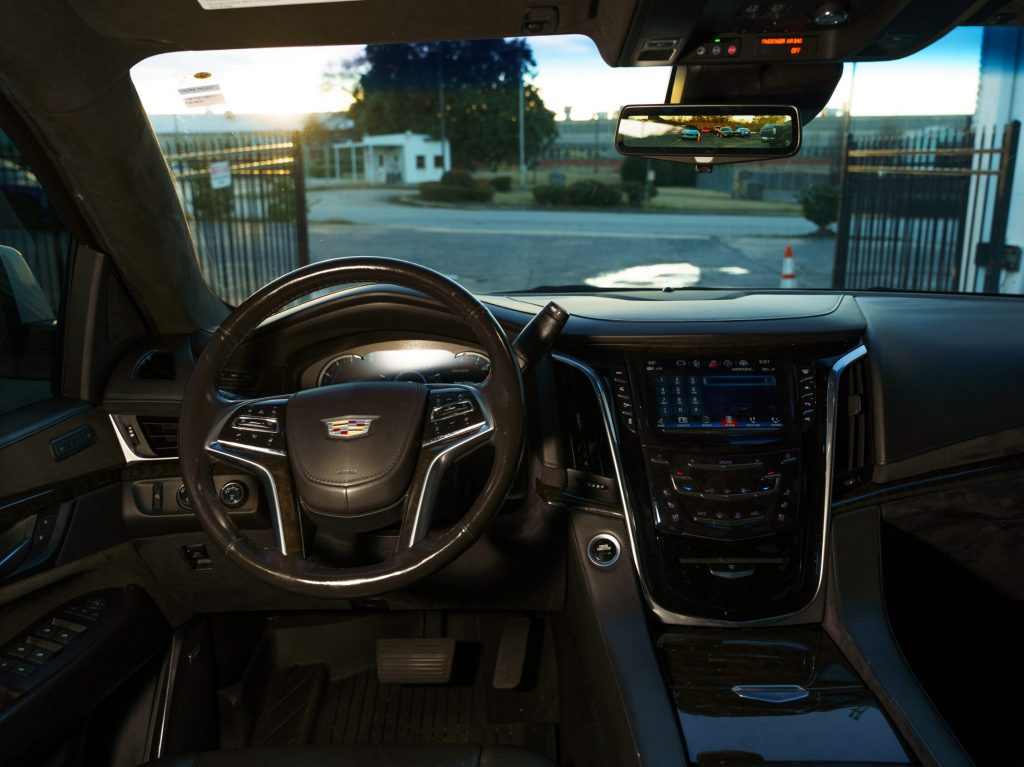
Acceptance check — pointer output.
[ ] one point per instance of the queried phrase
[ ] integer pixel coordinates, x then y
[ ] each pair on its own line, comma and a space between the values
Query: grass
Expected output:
704, 201
676, 200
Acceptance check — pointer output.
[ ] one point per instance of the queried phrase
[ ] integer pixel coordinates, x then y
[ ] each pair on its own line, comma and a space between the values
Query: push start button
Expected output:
603, 550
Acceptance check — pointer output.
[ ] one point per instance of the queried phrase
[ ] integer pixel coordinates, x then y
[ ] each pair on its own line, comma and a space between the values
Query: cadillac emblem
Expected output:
349, 426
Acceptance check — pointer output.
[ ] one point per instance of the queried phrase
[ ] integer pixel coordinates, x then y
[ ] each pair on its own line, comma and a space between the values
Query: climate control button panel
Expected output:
725, 497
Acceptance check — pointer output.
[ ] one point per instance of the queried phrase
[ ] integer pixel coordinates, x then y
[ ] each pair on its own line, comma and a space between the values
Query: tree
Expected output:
399, 88
821, 206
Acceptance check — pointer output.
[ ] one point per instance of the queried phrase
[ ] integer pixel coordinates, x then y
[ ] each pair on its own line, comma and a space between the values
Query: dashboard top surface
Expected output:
680, 306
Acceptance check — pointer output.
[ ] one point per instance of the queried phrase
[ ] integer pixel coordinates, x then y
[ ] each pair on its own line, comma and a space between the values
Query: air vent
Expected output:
157, 365
854, 452
160, 433
586, 452
241, 381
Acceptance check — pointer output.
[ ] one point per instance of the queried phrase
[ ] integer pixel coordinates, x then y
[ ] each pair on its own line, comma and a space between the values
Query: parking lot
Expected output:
490, 249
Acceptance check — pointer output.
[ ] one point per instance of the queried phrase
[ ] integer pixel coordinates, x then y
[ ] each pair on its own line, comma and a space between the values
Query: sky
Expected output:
942, 79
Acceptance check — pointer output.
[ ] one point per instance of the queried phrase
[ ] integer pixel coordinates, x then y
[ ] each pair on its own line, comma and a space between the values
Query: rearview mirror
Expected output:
708, 135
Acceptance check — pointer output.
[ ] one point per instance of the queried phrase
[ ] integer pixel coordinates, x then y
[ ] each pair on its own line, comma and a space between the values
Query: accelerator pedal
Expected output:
415, 661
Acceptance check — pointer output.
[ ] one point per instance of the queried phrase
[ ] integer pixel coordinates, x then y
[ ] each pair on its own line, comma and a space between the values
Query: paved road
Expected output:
494, 249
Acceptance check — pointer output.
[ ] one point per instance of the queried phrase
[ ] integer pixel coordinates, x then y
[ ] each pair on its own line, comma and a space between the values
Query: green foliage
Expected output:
820, 203
501, 183
281, 206
635, 192
458, 178
209, 203
439, 192
594, 193
546, 194
665, 173
398, 89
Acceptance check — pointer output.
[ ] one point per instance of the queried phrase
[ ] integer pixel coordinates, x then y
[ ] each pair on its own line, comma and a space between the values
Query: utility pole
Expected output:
522, 120
446, 160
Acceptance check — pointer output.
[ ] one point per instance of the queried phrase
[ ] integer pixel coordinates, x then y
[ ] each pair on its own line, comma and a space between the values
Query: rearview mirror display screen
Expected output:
712, 133
735, 394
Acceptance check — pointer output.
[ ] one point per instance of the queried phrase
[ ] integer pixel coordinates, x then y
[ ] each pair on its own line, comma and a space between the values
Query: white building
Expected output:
1000, 100
395, 158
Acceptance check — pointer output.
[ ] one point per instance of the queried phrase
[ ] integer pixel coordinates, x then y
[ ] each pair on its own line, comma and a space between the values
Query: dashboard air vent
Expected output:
586, 453
854, 452
239, 381
160, 433
156, 365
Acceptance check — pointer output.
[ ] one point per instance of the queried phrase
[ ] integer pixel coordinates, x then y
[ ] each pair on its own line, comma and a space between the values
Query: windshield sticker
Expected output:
201, 95
222, 5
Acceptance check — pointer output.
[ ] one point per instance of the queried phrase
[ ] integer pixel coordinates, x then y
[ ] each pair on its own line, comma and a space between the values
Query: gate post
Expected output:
839, 263
996, 247
299, 184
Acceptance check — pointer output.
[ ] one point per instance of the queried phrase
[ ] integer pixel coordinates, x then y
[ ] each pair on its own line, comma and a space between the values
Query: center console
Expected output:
724, 454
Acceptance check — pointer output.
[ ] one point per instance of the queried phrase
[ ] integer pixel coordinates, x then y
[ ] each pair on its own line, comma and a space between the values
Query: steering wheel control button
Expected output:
233, 494
257, 426
452, 413
603, 550
263, 424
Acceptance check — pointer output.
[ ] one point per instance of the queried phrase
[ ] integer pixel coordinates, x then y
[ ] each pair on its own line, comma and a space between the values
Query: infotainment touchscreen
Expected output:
713, 393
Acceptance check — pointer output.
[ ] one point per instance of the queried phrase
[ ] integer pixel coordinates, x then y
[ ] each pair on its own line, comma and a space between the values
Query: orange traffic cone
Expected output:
788, 279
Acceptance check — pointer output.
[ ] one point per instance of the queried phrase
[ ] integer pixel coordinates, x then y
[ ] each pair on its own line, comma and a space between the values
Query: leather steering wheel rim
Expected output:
204, 405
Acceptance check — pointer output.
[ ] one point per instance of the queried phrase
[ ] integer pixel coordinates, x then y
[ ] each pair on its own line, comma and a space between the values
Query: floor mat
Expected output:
359, 709
290, 706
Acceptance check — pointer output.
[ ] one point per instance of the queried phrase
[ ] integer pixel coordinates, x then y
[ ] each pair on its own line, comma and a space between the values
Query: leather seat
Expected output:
397, 755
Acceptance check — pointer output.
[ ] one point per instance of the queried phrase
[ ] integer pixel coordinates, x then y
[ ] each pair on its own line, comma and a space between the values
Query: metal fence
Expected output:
244, 196
30, 225
916, 209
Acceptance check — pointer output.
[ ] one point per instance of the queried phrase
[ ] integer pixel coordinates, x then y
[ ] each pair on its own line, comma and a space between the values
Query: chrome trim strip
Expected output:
465, 430
252, 448
167, 691
611, 429
441, 461
771, 693
130, 456
269, 486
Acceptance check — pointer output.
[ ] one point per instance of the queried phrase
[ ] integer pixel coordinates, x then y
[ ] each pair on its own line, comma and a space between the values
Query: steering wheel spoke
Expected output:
458, 422
251, 435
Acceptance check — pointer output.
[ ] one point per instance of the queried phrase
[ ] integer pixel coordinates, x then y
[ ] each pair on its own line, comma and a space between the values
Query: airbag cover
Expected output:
353, 446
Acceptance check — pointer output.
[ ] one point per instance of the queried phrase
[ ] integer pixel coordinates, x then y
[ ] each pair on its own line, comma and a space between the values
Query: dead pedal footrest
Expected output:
415, 661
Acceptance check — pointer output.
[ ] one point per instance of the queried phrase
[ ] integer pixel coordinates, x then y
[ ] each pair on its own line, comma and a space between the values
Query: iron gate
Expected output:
244, 196
920, 212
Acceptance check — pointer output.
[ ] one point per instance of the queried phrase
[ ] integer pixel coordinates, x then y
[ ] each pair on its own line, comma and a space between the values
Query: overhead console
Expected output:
767, 31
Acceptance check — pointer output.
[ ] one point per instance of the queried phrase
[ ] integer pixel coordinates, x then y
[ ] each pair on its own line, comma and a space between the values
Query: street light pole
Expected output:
445, 160
522, 120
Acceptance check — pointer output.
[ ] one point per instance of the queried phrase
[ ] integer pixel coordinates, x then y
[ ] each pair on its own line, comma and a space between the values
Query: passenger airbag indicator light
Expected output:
788, 46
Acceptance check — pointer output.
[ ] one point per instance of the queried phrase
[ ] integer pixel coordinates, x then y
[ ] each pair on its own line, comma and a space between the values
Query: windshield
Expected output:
494, 163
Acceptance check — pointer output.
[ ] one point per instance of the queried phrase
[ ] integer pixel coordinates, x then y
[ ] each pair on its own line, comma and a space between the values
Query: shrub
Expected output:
546, 194
458, 178
821, 204
501, 183
594, 193
634, 191
441, 192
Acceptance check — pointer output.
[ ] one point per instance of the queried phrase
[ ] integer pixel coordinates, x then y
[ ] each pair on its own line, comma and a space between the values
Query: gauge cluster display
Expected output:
422, 364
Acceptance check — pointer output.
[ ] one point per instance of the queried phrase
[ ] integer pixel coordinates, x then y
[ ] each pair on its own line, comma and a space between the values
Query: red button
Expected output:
732, 50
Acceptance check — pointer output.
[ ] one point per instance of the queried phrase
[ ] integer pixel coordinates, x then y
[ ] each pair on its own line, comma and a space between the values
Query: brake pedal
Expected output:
415, 661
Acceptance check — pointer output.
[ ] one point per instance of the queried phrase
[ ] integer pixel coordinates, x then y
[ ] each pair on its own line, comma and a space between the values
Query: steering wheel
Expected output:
354, 456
